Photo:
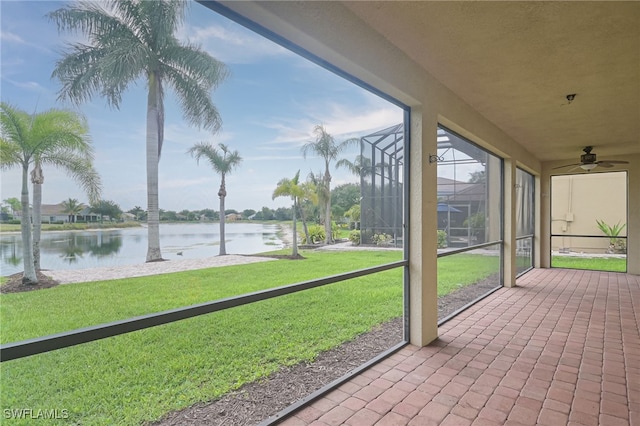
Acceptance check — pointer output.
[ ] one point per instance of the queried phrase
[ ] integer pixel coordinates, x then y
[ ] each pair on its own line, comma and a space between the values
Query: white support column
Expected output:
509, 220
423, 247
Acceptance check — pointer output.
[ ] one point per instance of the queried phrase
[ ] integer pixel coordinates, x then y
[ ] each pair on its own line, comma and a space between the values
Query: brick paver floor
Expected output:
562, 348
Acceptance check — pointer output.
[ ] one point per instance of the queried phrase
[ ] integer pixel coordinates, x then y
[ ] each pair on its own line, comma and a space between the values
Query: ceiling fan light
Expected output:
589, 166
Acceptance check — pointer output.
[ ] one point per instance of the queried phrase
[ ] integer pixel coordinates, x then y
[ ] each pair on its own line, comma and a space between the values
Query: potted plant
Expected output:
616, 245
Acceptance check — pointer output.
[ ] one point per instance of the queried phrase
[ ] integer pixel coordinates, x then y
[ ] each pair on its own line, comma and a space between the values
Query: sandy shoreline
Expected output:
69, 276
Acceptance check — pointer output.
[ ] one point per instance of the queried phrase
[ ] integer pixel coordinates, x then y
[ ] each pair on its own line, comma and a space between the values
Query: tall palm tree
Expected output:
131, 40
223, 162
326, 147
51, 137
72, 207
290, 188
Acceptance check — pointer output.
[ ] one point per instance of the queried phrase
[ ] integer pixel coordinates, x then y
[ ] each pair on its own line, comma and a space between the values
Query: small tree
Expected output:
223, 161
73, 208
290, 188
14, 204
107, 208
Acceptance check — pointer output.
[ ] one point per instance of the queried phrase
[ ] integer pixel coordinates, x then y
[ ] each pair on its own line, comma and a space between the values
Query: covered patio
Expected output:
562, 347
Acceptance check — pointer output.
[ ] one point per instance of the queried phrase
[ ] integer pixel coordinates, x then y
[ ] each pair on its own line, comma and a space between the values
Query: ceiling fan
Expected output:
588, 161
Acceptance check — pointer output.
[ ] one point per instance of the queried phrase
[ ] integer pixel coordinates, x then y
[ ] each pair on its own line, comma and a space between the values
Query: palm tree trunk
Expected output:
153, 158
327, 216
223, 247
327, 223
295, 231
222, 193
304, 224
37, 178
29, 275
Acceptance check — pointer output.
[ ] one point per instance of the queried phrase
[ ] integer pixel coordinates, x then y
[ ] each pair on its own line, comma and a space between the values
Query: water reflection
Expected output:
88, 249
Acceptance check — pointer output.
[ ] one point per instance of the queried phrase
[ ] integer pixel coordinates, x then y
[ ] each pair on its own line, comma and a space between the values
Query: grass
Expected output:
460, 270
140, 376
610, 264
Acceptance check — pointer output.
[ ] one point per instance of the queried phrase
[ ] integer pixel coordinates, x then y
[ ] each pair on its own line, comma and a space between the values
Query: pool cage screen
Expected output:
381, 186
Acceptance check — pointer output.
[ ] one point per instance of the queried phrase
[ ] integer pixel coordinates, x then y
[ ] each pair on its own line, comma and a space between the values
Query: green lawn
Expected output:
460, 270
610, 264
139, 376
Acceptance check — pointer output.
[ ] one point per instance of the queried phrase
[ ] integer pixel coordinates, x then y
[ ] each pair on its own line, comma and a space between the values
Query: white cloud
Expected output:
340, 120
232, 45
274, 158
10, 37
31, 86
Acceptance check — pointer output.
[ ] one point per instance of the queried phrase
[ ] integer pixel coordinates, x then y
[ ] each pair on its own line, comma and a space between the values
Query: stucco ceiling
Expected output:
515, 63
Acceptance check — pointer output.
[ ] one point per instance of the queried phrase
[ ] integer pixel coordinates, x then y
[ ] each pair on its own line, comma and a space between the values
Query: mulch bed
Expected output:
14, 283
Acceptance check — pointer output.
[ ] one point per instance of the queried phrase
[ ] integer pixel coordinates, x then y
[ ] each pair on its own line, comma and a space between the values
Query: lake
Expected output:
128, 246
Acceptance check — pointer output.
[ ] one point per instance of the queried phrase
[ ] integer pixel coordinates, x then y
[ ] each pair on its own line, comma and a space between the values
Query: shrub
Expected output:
382, 239
366, 236
316, 235
442, 239
354, 237
335, 230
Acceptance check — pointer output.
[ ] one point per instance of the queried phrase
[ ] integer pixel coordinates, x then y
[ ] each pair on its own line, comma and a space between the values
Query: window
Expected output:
160, 343
469, 222
525, 220
588, 221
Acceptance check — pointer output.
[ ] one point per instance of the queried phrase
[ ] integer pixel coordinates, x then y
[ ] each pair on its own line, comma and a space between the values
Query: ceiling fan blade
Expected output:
605, 164
612, 162
566, 165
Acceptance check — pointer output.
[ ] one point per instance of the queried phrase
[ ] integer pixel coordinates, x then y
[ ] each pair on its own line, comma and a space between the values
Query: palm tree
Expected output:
73, 208
326, 147
51, 137
309, 196
223, 162
290, 188
131, 40
360, 167
78, 163
322, 193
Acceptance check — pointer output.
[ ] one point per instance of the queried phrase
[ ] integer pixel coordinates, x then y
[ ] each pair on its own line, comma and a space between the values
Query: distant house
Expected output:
128, 216
54, 213
233, 217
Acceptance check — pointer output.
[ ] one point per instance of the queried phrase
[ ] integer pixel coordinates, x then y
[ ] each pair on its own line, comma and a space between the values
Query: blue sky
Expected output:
269, 106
